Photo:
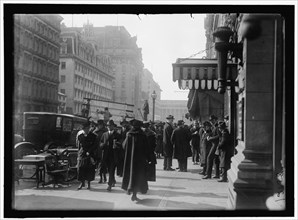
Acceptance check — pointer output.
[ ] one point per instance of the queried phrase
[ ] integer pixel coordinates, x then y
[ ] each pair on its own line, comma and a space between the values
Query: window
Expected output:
62, 80
63, 65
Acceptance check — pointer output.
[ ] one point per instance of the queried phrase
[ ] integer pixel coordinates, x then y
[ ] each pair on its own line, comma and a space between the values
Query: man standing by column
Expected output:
212, 156
167, 144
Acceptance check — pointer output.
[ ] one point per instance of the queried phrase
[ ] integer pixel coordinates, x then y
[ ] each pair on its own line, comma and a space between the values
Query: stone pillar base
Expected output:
250, 180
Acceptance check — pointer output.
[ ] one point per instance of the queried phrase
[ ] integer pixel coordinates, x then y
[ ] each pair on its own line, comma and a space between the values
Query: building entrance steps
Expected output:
172, 190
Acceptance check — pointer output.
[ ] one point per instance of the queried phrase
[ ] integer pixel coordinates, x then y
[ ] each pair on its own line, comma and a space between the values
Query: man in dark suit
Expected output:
167, 144
213, 156
180, 139
225, 148
110, 141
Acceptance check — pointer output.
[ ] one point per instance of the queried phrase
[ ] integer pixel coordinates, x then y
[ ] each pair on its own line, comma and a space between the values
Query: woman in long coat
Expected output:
85, 167
137, 157
180, 139
225, 148
205, 145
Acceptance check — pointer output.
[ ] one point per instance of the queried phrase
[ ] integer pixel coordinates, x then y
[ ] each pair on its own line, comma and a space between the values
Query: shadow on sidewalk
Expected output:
169, 193
174, 205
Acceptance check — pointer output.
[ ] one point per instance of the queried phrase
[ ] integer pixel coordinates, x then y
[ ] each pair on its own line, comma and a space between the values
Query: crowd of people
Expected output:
131, 150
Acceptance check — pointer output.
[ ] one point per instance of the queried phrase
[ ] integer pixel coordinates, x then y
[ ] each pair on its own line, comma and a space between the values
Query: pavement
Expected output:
172, 191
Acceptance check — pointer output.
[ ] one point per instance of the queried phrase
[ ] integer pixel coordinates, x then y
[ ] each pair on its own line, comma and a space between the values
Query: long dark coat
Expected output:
167, 144
205, 147
110, 152
86, 170
159, 142
98, 151
195, 137
180, 139
137, 156
151, 137
225, 148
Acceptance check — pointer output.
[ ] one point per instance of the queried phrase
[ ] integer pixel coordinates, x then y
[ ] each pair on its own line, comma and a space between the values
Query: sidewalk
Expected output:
172, 191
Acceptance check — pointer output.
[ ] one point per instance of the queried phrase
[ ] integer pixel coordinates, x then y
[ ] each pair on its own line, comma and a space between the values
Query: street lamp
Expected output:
153, 95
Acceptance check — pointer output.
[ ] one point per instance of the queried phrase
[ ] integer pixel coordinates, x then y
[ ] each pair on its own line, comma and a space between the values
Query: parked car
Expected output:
42, 131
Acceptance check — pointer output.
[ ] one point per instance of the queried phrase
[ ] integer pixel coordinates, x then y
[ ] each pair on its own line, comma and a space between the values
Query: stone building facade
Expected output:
255, 102
36, 62
84, 72
126, 59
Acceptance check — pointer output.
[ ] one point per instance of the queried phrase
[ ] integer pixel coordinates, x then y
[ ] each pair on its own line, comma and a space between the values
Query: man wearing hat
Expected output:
125, 127
167, 144
205, 145
101, 167
225, 148
180, 139
212, 156
110, 141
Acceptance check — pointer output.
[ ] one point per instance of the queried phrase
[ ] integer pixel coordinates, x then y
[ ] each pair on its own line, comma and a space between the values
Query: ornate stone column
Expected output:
251, 173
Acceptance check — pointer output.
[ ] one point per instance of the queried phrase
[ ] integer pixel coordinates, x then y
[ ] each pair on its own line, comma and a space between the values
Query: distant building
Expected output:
126, 59
84, 73
177, 108
36, 62
148, 85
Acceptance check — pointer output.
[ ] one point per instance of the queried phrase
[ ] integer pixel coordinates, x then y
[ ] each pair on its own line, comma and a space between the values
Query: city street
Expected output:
172, 191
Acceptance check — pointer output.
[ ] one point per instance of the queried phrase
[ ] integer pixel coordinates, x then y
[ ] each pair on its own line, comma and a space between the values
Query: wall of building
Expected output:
126, 57
87, 73
36, 62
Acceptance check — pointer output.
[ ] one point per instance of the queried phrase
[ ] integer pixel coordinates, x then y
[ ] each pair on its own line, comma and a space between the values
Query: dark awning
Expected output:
199, 73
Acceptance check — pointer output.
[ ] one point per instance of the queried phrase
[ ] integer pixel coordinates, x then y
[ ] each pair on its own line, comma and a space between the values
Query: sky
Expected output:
162, 37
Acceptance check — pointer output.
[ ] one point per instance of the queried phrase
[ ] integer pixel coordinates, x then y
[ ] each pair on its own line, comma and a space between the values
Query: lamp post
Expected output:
153, 95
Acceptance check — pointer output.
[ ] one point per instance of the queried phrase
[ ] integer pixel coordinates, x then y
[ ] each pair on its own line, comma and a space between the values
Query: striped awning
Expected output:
199, 73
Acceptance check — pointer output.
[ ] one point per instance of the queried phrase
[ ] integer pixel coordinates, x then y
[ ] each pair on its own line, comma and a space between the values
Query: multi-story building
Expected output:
36, 62
62, 102
84, 73
177, 108
126, 59
148, 86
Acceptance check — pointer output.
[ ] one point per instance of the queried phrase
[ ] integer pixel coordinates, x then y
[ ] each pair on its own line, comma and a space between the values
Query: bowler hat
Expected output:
111, 122
86, 124
207, 123
180, 122
146, 124
100, 122
170, 117
222, 125
212, 117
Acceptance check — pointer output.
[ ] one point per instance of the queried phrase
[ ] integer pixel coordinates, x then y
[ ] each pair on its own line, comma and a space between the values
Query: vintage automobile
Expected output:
46, 130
